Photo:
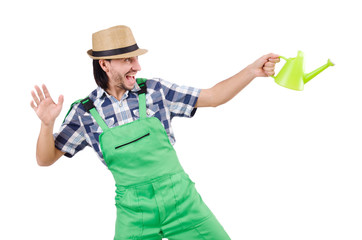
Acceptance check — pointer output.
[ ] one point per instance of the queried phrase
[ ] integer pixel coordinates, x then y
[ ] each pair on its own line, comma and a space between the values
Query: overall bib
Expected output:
155, 198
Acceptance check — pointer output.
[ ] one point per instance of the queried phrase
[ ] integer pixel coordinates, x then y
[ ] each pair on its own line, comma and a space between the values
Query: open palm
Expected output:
44, 106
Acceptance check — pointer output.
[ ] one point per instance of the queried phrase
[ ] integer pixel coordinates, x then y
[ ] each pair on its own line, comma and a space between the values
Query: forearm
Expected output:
46, 152
225, 90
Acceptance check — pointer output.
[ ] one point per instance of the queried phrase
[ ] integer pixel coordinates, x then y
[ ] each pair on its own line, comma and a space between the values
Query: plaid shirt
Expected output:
164, 101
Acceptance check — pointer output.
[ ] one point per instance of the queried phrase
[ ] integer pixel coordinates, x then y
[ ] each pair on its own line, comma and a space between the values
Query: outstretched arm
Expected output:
227, 89
47, 111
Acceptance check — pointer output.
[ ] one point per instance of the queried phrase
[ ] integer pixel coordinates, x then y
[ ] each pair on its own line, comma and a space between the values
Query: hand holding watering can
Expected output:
264, 66
292, 74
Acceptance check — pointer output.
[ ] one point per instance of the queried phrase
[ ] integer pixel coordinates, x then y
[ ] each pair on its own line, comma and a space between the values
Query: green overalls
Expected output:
155, 198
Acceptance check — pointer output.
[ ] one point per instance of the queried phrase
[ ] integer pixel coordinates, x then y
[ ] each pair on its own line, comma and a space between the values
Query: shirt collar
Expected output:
136, 88
102, 94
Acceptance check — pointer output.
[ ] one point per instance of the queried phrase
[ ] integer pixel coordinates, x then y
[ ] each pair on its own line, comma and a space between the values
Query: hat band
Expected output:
116, 51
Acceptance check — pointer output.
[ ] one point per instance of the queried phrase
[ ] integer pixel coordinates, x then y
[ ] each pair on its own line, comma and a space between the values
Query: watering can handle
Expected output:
286, 59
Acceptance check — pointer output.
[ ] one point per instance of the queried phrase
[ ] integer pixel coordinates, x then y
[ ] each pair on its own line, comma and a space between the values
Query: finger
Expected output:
46, 92
271, 55
268, 68
61, 100
40, 93
33, 105
274, 60
60, 103
269, 73
269, 64
35, 98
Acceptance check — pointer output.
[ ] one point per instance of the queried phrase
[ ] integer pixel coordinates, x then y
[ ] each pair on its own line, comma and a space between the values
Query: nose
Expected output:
136, 65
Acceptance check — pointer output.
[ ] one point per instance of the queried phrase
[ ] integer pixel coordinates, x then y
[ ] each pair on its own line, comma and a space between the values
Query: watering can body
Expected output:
292, 74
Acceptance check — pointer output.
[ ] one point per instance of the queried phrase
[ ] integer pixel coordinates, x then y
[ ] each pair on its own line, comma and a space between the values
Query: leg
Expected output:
188, 217
210, 229
136, 215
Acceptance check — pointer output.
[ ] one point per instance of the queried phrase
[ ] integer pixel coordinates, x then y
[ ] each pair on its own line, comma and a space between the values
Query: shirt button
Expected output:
148, 112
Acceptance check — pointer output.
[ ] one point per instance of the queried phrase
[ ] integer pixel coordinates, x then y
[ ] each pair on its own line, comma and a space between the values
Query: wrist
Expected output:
47, 126
249, 72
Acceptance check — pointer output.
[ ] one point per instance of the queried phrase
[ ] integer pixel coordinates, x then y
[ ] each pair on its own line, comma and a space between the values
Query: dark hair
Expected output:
99, 75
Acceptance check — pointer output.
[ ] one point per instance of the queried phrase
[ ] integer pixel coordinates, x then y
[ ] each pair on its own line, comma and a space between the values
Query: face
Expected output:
122, 72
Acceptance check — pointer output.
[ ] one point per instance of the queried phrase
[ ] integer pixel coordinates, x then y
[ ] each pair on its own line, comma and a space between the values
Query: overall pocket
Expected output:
133, 141
121, 193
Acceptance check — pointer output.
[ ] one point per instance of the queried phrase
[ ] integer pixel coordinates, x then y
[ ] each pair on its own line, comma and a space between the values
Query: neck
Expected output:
116, 92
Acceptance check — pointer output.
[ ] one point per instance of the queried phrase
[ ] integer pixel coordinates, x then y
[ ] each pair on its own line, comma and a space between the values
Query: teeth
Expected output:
131, 78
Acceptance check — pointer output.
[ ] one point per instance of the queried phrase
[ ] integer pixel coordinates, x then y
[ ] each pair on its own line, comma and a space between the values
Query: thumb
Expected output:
270, 55
60, 101
264, 59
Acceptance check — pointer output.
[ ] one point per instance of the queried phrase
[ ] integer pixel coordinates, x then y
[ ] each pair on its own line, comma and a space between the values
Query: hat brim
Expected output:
136, 53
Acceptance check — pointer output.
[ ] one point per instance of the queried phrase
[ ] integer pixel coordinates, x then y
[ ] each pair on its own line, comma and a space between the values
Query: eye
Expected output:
130, 59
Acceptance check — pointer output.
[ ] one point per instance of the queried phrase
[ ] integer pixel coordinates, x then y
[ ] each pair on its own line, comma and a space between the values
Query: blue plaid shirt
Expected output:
164, 101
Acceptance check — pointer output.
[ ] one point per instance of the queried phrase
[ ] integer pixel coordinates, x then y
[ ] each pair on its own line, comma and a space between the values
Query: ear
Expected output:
104, 64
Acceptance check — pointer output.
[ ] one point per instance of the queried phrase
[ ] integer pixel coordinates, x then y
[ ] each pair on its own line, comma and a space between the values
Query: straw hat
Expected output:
115, 42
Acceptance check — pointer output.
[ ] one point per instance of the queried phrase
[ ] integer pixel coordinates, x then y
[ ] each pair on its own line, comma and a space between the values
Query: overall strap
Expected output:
70, 109
89, 107
142, 97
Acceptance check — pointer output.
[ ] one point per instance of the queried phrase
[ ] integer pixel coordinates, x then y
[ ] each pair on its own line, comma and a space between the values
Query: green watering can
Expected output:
292, 74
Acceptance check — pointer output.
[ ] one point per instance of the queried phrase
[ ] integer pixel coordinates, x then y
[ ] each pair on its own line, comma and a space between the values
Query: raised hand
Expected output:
44, 106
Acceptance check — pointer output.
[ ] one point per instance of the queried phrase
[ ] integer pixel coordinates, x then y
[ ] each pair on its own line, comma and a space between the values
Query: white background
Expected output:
272, 163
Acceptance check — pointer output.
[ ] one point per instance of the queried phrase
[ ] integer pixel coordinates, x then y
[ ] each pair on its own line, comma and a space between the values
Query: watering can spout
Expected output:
311, 75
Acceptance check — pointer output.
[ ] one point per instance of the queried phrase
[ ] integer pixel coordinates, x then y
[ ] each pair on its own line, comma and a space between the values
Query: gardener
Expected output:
127, 121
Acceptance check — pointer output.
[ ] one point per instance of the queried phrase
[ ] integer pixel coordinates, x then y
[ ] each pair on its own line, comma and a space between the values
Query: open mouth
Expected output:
131, 79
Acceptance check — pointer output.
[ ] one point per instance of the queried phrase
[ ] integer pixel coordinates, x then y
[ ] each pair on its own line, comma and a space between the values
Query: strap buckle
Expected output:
143, 88
87, 104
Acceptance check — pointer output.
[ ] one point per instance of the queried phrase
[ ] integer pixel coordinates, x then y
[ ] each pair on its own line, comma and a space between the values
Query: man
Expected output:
127, 121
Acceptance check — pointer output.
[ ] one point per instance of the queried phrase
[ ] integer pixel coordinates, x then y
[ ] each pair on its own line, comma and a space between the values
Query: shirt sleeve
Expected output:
181, 100
70, 138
